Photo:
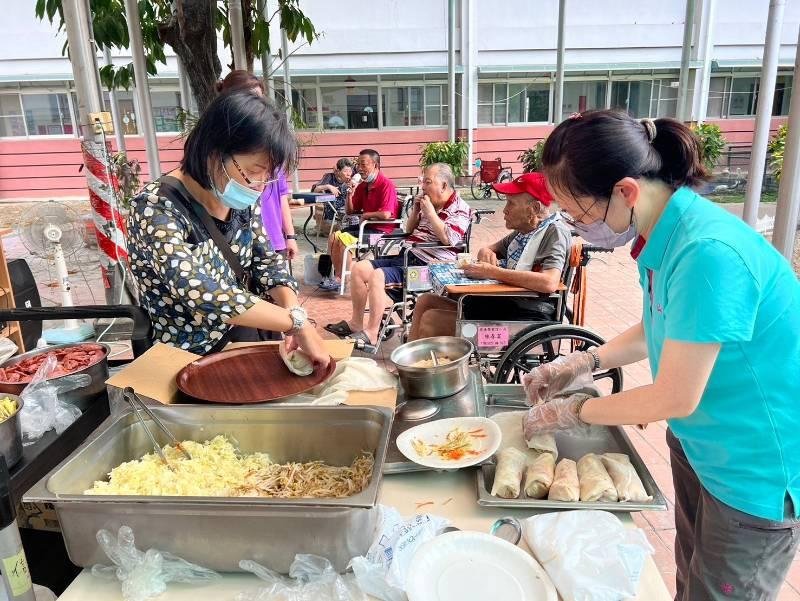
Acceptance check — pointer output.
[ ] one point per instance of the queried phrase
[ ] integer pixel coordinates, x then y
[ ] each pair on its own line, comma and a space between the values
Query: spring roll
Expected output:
565, 485
539, 476
508, 473
595, 483
510, 423
544, 443
627, 482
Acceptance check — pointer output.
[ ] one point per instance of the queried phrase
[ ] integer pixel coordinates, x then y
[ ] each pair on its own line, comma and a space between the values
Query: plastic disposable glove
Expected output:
145, 574
547, 381
555, 415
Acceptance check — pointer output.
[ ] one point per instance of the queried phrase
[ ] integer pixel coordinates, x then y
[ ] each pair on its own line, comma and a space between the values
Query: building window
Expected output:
717, 97
47, 114
582, 96
485, 103
744, 95
632, 96
127, 113
166, 107
435, 107
350, 107
665, 98
783, 94
304, 103
12, 121
403, 106
528, 103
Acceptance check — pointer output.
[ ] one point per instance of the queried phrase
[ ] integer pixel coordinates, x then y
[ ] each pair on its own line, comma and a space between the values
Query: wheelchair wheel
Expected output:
545, 344
477, 186
505, 176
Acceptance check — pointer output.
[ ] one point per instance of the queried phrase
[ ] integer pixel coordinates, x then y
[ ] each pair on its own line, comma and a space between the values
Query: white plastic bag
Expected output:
383, 572
311, 578
145, 574
7, 349
42, 409
588, 554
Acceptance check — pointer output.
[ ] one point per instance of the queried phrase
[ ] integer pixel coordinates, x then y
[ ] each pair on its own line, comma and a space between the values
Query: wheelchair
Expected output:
489, 172
397, 316
508, 349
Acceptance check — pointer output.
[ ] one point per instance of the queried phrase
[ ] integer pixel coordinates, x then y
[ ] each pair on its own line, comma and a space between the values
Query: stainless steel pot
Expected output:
11, 434
433, 382
82, 398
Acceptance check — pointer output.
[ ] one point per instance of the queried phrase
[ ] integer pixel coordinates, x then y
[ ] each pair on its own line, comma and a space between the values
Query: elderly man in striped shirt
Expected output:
439, 215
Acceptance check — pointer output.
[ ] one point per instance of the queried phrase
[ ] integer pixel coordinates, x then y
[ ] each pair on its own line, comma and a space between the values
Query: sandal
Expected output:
341, 329
362, 342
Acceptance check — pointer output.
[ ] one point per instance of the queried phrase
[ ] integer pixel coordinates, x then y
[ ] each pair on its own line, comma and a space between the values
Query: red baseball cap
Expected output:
532, 183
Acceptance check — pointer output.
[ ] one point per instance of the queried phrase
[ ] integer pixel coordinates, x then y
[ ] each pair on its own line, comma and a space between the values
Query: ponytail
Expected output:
681, 154
587, 154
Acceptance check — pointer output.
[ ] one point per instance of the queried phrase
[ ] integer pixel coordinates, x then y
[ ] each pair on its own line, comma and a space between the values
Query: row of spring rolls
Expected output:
603, 478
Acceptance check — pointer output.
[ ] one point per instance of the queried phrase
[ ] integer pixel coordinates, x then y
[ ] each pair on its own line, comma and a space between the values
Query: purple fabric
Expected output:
271, 211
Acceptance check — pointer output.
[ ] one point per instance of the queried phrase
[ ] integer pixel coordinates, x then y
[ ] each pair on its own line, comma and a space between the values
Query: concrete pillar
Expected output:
788, 204
683, 112
144, 117
469, 78
236, 21
766, 93
116, 118
287, 94
704, 49
557, 109
451, 68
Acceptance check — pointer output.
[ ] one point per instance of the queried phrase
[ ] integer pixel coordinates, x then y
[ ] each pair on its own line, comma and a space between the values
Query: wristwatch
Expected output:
596, 356
291, 236
299, 318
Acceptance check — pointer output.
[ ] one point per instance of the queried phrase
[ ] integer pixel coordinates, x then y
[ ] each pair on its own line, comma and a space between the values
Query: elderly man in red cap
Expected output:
533, 256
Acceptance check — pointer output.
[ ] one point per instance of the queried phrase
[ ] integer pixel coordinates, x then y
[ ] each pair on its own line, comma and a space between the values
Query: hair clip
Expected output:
575, 117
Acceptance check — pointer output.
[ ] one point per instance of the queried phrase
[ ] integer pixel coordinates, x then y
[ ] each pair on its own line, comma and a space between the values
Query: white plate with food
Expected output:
451, 443
473, 566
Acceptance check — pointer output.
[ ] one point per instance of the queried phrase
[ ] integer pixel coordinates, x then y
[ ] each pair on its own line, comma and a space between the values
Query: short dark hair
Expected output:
238, 123
587, 154
373, 154
344, 162
239, 79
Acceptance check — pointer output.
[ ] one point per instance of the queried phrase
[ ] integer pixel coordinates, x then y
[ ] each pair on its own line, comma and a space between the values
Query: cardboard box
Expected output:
153, 375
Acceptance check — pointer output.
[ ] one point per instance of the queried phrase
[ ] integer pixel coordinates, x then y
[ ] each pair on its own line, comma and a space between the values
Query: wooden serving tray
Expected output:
254, 374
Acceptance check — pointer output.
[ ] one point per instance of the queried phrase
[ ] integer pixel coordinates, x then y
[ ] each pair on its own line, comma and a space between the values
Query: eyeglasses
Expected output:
250, 182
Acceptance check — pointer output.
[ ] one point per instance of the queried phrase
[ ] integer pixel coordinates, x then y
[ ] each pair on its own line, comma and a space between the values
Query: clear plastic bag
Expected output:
311, 578
145, 574
383, 571
7, 349
588, 554
43, 410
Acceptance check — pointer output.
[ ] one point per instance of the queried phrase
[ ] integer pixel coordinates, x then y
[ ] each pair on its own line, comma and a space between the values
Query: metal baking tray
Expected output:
506, 397
217, 532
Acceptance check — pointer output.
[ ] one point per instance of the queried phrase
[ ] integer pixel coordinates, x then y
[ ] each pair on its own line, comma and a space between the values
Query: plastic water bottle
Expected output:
13, 564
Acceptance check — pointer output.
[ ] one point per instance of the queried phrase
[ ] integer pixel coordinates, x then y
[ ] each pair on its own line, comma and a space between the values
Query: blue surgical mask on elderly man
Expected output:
236, 195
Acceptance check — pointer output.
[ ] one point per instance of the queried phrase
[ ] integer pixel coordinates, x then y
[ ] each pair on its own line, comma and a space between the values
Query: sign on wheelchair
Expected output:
418, 278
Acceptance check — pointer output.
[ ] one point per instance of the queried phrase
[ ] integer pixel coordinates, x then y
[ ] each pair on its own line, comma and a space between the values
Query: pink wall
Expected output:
50, 168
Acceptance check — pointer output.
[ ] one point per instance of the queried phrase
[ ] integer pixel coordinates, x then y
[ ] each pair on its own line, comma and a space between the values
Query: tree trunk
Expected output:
192, 33
247, 12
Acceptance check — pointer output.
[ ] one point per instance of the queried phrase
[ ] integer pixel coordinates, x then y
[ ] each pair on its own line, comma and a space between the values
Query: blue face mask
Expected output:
372, 177
236, 195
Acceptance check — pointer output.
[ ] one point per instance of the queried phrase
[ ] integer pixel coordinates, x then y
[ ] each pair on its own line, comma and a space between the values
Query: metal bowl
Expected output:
82, 398
433, 382
11, 434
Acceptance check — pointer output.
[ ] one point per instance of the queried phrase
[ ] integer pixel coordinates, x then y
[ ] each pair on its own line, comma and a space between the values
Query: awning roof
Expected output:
547, 68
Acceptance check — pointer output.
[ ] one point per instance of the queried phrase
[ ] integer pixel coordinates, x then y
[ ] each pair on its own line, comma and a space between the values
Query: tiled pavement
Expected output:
614, 304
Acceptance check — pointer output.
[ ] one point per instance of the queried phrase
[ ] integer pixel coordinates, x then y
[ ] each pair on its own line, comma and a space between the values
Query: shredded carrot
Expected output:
446, 502
478, 431
420, 505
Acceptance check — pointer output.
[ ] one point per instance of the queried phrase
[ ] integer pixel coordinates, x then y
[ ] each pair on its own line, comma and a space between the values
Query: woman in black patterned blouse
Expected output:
194, 297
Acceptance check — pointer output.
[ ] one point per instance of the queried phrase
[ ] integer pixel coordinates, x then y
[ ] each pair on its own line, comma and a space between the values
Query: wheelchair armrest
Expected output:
481, 213
397, 236
457, 247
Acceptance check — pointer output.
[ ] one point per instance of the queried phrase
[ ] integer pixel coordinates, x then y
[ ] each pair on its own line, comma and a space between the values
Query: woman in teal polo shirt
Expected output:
721, 329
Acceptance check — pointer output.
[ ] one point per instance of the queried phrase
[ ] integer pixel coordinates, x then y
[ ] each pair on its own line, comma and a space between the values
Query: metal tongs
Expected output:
138, 404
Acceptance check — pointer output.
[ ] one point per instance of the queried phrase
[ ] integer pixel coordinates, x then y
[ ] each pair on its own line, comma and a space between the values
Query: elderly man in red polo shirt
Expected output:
375, 198
532, 256
439, 215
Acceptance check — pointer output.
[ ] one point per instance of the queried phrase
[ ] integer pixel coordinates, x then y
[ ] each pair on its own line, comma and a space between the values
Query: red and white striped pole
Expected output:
103, 194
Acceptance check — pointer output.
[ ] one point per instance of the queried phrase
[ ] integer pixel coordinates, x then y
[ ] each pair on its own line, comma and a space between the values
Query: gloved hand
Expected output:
546, 381
555, 415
